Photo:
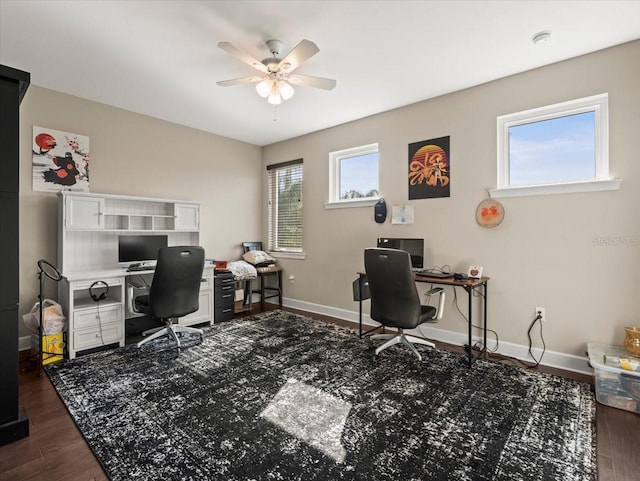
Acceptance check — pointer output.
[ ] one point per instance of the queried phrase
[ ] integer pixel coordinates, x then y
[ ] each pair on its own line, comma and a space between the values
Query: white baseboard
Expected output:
568, 362
555, 359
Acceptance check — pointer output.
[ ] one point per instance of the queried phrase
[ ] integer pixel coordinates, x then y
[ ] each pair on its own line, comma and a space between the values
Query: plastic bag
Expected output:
53, 320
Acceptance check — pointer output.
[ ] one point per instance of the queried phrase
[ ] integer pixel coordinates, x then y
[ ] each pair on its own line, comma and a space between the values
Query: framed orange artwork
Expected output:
489, 213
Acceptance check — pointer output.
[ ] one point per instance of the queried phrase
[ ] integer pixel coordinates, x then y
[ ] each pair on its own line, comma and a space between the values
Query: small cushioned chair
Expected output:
394, 298
174, 291
266, 292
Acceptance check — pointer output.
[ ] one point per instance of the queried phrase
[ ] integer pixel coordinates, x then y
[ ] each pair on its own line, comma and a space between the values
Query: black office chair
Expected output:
394, 298
174, 291
266, 292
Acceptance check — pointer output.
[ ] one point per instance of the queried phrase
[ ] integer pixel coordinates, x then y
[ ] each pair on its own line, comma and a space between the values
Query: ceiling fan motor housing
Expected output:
275, 47
272, 63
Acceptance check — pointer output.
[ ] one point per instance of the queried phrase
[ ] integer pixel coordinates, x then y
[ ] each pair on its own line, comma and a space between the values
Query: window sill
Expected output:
567, 188
287, 255
343, 204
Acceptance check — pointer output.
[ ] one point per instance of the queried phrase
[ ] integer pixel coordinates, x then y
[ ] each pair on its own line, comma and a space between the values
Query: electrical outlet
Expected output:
541, 311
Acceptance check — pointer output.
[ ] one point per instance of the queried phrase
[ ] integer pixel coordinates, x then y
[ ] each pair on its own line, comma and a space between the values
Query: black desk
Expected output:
468, 285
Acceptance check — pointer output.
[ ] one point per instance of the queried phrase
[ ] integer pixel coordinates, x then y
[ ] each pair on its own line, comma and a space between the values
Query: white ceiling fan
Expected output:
276, 75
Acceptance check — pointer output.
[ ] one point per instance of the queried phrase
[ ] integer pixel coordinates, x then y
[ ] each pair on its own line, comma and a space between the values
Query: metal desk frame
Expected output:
468, 285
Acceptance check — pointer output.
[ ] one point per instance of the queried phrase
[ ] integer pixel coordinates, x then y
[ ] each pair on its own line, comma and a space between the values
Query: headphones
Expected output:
98, 285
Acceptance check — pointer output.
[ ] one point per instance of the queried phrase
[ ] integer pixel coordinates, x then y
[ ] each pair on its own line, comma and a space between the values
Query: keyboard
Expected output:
140, 268
435, 274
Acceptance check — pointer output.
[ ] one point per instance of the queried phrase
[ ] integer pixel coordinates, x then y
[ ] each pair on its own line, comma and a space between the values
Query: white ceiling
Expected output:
160, 58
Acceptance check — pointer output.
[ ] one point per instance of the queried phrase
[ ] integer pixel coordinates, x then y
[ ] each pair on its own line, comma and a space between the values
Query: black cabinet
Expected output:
224, 291
13, 85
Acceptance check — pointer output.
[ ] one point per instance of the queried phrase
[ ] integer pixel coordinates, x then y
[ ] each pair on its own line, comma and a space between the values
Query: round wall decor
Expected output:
489, 213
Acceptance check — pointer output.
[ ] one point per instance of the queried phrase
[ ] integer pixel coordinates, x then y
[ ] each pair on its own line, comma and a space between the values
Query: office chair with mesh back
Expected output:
394, 298
174, 291
266, 292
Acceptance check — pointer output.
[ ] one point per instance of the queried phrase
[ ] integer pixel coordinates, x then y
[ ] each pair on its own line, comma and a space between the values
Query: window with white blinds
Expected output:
285, 206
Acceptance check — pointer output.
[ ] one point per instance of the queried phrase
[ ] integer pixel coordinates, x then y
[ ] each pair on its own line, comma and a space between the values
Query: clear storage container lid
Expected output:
613, 359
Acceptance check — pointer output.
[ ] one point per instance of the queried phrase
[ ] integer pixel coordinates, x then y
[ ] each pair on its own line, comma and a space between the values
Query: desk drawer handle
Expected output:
226, 310
227, 296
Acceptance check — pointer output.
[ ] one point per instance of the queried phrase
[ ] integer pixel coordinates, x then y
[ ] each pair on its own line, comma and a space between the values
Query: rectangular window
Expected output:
353, 176
285, 206
558, 148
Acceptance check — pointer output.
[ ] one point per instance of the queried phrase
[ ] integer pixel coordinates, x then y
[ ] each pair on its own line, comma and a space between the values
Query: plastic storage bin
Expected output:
615, 386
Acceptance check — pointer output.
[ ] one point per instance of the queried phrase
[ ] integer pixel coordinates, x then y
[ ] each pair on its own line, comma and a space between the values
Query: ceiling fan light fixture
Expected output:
274, 96
286, 90
264, 87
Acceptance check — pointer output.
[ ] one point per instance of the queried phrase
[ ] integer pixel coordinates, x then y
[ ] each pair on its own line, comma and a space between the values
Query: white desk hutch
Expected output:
88, 228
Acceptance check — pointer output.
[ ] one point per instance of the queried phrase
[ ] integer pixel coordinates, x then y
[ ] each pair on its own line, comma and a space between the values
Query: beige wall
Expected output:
543, 254
134, 154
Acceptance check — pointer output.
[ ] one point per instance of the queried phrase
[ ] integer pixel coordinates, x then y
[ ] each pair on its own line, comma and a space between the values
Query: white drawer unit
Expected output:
93, 318
93, 323
99, 334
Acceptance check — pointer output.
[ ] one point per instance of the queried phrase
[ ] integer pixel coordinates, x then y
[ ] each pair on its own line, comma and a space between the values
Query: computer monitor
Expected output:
415, 248
140, 248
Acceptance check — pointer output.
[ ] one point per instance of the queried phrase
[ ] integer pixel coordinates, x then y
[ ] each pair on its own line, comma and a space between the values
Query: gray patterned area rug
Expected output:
283, 397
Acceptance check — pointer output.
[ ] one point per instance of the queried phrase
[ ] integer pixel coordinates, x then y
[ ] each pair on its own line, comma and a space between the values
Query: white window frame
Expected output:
272, 209
602, 180
335, 202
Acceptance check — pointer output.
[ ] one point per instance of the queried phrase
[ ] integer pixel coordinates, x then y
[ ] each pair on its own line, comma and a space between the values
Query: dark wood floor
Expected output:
55, 449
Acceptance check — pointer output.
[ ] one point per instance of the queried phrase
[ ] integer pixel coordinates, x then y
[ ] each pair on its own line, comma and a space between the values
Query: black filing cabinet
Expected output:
224, 296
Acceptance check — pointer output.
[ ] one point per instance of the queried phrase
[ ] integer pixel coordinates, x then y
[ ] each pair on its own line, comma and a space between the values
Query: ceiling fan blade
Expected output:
300, 54
245, 57
239, 81
308, 81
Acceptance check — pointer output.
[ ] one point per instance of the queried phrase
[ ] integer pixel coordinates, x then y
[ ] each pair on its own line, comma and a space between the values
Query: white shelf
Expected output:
91, 223
141, 222
88, 303
138, 215
91, 212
